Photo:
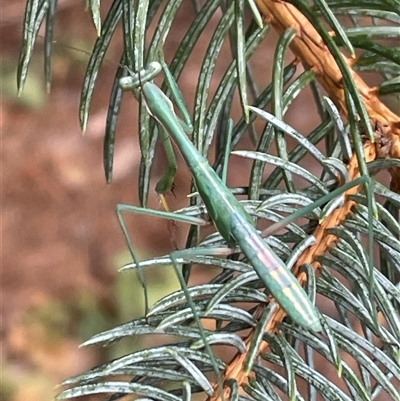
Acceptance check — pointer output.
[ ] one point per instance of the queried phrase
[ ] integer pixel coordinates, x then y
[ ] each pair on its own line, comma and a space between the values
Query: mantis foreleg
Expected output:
133, 83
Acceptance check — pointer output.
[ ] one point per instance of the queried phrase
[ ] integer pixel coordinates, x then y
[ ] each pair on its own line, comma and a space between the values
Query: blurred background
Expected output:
61, 242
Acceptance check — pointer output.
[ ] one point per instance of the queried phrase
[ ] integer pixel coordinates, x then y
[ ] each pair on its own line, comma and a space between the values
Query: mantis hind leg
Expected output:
142, 278
122, 208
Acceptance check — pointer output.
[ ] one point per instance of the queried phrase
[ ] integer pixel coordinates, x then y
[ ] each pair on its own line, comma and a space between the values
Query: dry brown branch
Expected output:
310, 49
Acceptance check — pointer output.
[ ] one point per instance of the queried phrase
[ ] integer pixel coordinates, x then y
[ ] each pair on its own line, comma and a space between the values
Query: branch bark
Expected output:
310, 49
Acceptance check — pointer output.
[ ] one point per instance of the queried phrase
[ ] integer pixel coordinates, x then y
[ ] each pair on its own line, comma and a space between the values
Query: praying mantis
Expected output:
229, 217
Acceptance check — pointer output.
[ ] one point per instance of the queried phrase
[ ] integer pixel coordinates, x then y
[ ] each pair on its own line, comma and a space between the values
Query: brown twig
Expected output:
309, 47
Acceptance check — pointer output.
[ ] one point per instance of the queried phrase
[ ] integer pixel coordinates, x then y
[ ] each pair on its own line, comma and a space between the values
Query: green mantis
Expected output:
228, 215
